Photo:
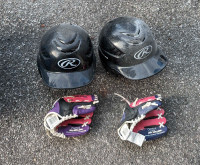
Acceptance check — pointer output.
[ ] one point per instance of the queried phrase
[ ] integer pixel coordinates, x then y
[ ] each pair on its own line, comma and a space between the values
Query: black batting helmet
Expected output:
66, 58
127, 47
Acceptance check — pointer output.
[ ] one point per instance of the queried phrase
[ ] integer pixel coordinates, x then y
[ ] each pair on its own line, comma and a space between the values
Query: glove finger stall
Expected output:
72, 131
81, 110
153, 133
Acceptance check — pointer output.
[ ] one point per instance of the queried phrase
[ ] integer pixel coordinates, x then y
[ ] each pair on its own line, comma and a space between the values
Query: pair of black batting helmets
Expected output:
127, 47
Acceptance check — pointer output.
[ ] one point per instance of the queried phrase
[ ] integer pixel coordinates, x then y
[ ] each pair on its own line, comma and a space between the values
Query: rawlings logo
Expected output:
155, 132
143, 53
78, 129
69, 63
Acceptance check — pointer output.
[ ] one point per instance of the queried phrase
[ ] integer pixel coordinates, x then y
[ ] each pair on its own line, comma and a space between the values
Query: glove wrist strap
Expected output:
127, 133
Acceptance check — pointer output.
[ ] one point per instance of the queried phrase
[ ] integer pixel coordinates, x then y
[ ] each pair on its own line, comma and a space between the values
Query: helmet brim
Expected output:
67, 80
146, 69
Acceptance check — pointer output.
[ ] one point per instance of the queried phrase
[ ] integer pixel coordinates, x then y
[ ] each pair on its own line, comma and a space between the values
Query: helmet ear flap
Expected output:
108, 69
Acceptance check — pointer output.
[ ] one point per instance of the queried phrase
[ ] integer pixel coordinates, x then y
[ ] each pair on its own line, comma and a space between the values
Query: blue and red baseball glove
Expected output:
142, 120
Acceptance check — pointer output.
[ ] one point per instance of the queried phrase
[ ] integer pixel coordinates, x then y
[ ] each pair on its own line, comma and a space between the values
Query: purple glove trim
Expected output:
72, 131
82, 111
93, 97
56, 108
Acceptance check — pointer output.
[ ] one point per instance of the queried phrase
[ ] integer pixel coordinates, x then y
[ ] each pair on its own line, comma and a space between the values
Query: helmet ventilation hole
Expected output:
139, 31
163, 57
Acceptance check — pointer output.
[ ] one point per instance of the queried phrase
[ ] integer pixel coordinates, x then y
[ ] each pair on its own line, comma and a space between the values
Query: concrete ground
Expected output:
25, 100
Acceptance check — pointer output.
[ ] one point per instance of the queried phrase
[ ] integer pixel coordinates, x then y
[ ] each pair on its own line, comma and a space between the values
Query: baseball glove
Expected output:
142, 120
71, 116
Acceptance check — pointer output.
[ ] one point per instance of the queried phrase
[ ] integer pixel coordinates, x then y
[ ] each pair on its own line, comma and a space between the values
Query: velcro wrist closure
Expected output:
126, 134
136, 138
